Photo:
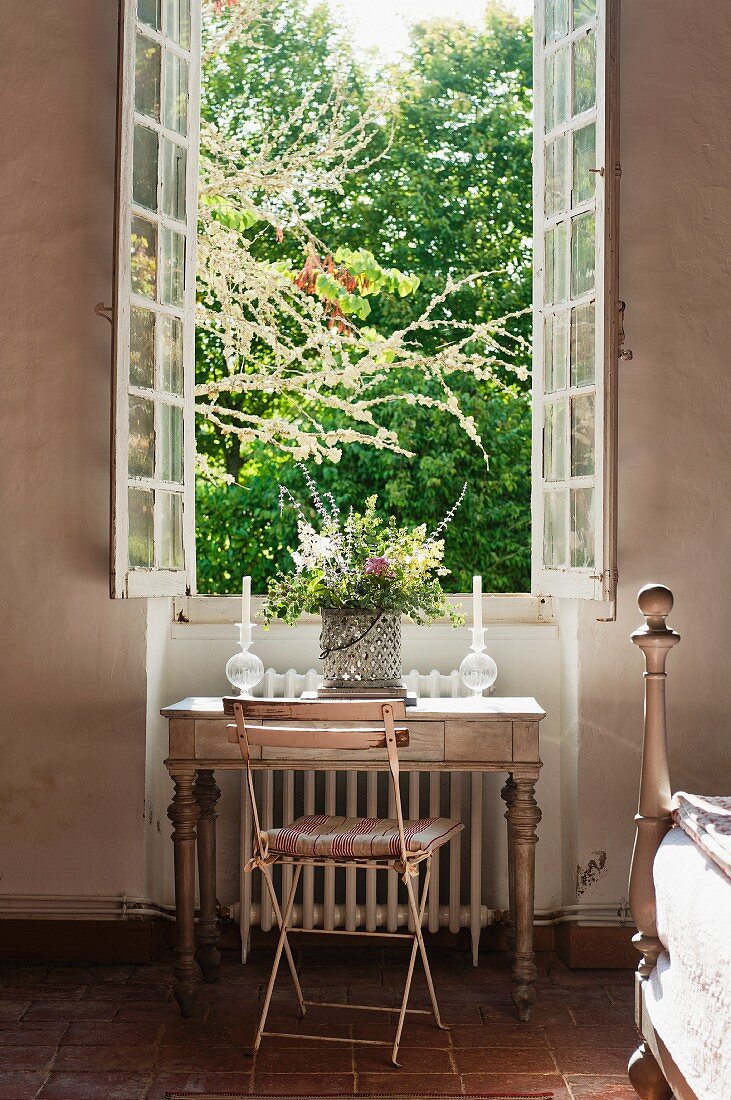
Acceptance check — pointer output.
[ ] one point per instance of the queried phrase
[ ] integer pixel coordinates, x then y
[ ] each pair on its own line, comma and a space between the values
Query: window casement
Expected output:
153, 524
575, 176
576, 308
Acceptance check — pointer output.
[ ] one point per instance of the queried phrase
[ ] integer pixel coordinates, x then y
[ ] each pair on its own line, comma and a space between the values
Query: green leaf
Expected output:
238, 218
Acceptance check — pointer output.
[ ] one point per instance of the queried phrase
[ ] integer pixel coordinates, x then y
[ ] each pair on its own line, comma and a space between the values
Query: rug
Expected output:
362, 1096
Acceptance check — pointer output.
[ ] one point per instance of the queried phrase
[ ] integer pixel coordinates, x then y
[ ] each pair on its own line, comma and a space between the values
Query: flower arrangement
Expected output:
361, 562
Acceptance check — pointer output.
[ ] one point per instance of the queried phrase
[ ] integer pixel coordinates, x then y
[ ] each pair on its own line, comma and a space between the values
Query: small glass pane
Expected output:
172, 264
556, 185
584, 182
141, 455
171, 355
584, 96
582, 254
148, 11
584, 10
142, 348
583, 348
170, 518
582, 528
554, 528
144, 168
143, 268
171, 443
177, 22
147, 77
141, 532
556, 352
175, 103
173, 180
557, 88
557, 19
556, 264
582, 435
554, 441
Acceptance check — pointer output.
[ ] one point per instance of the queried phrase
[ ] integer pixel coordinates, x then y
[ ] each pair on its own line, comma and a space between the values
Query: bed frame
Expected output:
652, 1071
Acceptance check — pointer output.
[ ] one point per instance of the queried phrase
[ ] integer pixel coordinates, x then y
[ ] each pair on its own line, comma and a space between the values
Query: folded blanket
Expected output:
707, 820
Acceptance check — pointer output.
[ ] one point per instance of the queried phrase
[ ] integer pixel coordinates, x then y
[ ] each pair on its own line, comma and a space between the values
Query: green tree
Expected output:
451, 194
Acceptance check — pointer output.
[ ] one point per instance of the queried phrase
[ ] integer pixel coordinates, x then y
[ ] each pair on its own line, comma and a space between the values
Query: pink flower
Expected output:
378, 567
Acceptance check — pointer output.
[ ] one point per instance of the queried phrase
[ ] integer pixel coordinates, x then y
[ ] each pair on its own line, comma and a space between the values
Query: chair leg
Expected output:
287, 949
282, 945
417, 917
422, 947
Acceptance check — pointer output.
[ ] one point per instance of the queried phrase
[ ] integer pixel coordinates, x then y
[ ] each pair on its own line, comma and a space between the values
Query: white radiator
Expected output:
350, 899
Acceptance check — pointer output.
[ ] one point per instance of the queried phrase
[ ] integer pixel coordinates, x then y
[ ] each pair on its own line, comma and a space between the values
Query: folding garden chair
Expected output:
324, 841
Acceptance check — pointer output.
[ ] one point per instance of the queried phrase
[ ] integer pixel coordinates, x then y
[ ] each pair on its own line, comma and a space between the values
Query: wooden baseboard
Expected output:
141, 941
583, 946
492, 938
86, 942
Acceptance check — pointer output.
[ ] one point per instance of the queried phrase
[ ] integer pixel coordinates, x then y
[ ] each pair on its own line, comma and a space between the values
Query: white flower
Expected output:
323, 547
314, 548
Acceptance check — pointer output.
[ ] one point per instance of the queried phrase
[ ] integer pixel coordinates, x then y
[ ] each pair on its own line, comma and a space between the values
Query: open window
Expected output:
575, 299
153, 526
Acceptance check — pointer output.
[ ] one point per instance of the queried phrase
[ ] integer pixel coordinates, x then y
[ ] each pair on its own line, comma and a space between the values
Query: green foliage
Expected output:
450, 195
453, 190
372, 277
228, 215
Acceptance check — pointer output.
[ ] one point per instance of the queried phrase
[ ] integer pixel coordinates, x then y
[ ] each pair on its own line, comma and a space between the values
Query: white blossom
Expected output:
277, 339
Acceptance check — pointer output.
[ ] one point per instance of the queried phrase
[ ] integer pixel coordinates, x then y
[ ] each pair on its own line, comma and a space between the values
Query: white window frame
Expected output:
599, 582
156, 581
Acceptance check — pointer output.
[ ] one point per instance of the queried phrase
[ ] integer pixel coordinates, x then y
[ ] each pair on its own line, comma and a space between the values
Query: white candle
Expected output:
246, 601
477, 602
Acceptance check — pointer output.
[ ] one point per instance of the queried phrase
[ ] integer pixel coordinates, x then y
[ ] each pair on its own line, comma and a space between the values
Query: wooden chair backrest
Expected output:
335, 737
315, 710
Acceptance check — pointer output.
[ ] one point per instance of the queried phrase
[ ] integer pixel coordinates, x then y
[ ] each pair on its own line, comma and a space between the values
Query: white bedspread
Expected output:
707, 820
688, 995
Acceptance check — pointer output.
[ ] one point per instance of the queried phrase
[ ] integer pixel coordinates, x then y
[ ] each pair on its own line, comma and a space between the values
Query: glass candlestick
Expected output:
244, 670
478, 670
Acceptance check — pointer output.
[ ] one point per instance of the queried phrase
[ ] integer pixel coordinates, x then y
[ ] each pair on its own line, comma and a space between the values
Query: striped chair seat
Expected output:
326, 837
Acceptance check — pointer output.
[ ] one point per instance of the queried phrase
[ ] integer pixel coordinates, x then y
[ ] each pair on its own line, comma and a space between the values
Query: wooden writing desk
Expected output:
492, 735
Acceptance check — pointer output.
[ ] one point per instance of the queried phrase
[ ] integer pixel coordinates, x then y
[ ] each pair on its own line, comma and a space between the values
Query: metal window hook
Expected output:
622, 352
105, 311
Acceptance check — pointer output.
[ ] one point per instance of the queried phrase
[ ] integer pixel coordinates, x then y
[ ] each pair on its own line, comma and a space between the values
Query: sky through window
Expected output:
381, 27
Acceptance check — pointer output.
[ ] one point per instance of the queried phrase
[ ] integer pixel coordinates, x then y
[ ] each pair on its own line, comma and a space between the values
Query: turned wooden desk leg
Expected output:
523, 817
183, 812
507, 794
207, 792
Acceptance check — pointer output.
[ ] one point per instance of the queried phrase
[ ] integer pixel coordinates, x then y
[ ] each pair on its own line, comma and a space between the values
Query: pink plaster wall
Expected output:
72, 664
674, 416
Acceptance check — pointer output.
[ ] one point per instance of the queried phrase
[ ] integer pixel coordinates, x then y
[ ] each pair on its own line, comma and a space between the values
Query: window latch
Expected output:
622, 352
105, 311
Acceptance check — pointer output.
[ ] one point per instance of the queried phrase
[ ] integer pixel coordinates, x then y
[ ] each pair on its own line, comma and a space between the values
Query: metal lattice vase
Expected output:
361, 652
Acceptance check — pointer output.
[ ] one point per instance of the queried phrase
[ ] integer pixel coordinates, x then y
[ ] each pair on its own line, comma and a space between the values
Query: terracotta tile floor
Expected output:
114, 1033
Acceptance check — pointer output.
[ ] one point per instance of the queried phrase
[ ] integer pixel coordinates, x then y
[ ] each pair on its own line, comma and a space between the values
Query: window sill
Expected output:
199, 618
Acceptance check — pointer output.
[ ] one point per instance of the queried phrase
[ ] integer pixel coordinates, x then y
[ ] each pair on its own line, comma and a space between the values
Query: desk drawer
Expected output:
426, 742
212, 743
478, 741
